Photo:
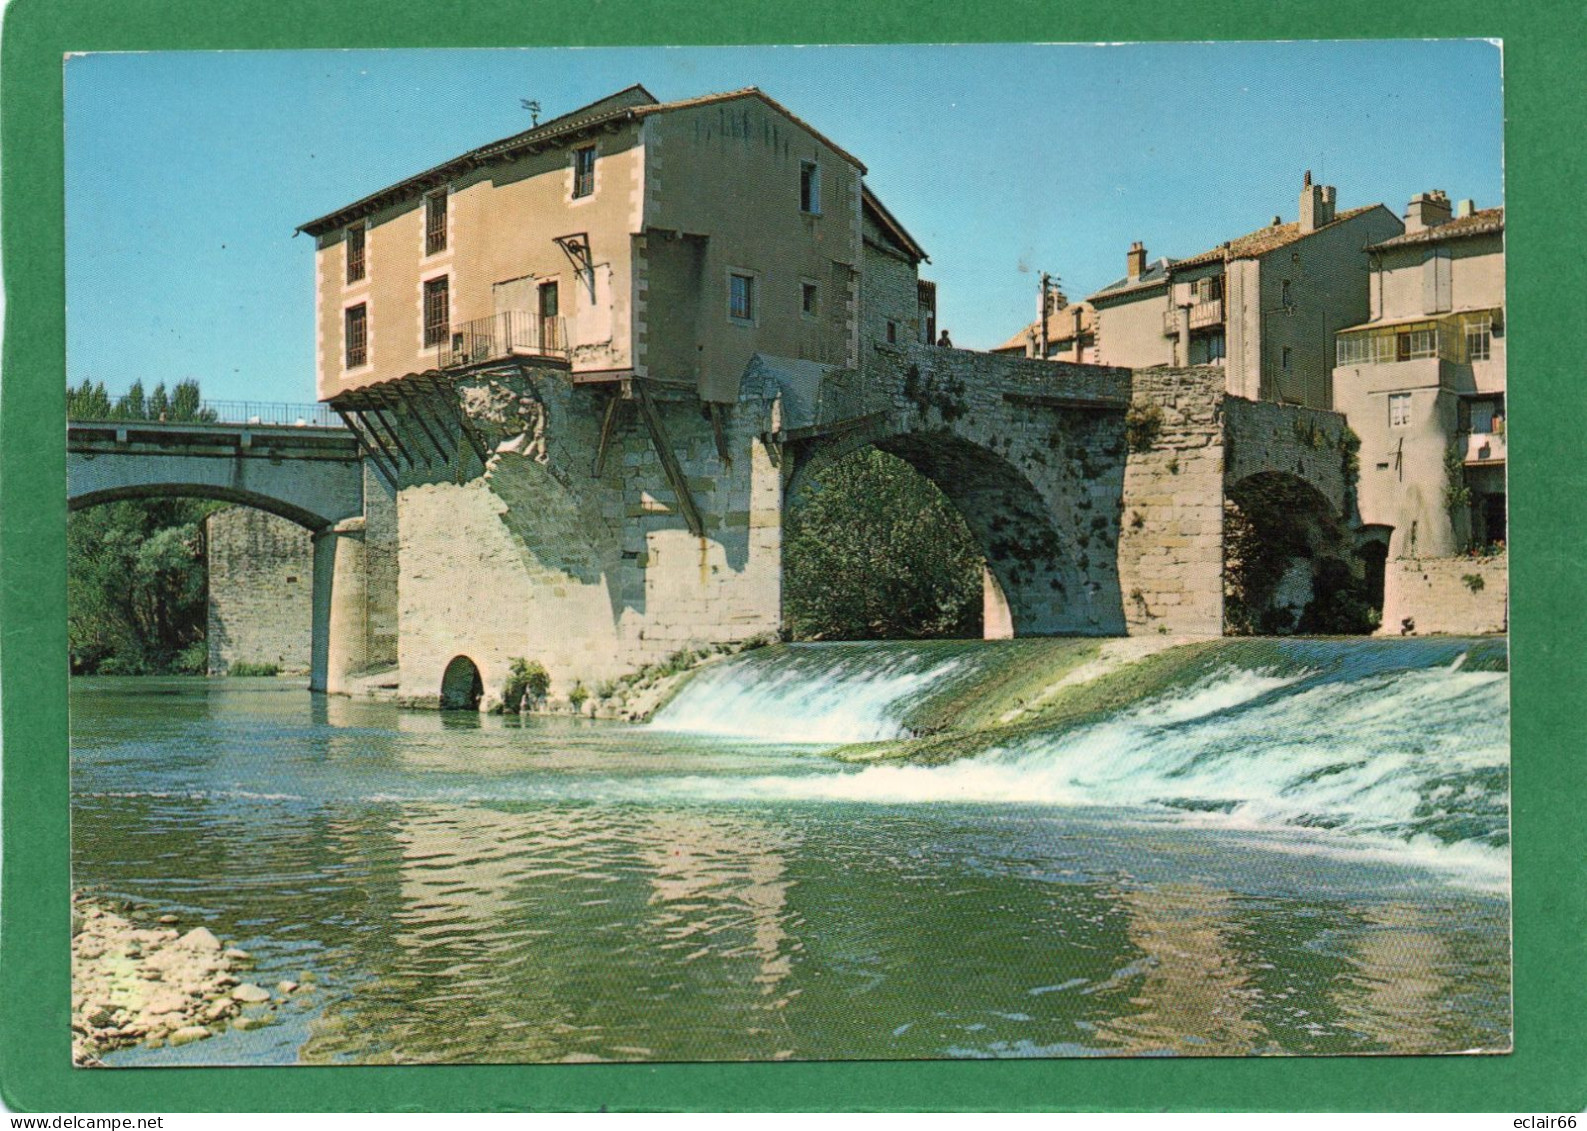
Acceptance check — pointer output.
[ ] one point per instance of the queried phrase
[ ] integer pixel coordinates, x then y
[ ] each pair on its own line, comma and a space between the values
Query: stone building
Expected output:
1422, 382
1264, 307
560, 352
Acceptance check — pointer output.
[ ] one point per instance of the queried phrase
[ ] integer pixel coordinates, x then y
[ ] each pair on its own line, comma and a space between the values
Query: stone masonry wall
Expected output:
591, 577
1171, 533
261, 590
1451, 596
1308, 443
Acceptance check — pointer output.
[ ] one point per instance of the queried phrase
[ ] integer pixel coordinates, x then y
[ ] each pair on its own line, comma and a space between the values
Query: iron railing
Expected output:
230, 412
511, 333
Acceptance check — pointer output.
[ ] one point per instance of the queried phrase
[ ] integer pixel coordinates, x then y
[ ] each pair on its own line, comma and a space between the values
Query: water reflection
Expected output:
469, 896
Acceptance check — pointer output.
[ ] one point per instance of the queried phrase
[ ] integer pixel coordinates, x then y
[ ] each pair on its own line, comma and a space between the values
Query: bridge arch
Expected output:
1039, 568
281, 508
1289, 559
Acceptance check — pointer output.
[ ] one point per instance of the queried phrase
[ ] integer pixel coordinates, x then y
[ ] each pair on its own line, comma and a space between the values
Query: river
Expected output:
1296, 847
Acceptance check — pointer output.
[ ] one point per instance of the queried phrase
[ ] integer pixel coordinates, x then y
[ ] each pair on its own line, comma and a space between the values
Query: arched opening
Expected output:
461, 685
170, 583
936, 524
874, 550
1372, 552
1289, 566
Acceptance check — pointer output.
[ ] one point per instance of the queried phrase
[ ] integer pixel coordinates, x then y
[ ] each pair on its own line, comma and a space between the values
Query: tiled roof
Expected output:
634, 102
1480, 223
1060, 327
1267, 239
1155, 275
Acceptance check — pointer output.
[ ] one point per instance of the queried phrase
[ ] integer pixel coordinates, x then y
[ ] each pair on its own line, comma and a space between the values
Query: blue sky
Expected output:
187, 173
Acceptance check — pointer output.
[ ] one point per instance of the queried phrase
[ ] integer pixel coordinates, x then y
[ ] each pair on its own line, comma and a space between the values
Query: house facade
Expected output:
1265, 306
1422, 382
561, 244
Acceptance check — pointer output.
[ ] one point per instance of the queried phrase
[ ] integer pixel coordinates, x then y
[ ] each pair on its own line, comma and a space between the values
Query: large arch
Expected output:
1037, 566
462, 686
281, 508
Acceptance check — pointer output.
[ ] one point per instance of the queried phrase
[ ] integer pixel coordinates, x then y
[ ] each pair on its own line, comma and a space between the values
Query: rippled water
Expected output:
475, 889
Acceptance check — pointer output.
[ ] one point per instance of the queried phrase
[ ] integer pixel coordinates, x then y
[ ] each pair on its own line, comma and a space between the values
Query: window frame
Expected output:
436, 202
751, 279
583, 178
1399, 401
348, 362
810, 188
809, 298
441, 284
357, 269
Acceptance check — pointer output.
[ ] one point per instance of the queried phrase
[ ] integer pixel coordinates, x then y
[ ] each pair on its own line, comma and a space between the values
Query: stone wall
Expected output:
1448, 596
1311, 444
261, 591
592, 577
1171, 533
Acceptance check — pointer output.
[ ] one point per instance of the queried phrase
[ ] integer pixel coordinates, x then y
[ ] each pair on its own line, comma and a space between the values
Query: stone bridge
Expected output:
310, 475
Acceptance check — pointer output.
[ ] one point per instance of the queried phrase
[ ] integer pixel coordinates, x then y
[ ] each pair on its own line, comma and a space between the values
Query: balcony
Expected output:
1485, 449
1202, 315
1457, 338
502, 337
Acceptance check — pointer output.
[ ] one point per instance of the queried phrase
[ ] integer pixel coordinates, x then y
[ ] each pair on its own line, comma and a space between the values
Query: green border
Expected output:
1544, 94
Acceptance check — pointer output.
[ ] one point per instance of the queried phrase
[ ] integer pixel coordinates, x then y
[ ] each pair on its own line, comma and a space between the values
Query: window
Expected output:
892, 332
1479, 338
1412, 344
355, 335
549, 297
355, 253
741, 298
1436, 281
583, 171
1399, 410
1286, 298
809, 299
437, 310
1289, 358
809, 187
435, 222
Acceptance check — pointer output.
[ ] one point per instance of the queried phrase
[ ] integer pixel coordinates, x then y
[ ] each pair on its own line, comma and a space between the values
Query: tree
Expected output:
878, 552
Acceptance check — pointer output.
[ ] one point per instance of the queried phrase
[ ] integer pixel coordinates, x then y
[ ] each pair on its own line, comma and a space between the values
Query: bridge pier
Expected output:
340, 606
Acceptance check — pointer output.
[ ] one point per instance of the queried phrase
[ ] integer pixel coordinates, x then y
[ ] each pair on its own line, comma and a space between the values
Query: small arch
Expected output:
461, 685
1372, 551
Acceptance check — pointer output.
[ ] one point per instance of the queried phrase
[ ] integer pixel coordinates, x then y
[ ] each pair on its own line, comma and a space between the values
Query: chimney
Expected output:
1465, 208
1135, 261
1316, 204
1079, 347
1427, 210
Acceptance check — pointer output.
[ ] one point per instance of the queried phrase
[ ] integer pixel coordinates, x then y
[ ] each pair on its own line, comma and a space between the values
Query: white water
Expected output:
1412, 763
820, 696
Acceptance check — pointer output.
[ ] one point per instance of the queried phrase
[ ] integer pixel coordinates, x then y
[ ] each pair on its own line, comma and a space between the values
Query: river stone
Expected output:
101, 1016
166, 1001
250, 992
199, 938
286, 987
238, 955
189, 1033
253, 1022
170, 918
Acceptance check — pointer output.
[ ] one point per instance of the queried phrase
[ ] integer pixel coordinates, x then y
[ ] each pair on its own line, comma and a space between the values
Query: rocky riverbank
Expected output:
155, 984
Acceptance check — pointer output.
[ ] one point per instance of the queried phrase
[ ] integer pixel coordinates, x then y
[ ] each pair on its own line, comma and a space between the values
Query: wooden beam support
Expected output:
378, 411
389, 399
614, 405
669, 460
414, 411
367, 447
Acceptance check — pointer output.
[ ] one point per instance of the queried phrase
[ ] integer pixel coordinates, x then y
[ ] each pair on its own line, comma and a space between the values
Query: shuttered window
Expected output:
355, 253
1436, 281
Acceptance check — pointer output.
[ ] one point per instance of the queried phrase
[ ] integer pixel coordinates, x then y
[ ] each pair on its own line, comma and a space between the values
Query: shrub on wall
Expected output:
527, 681
1143, 423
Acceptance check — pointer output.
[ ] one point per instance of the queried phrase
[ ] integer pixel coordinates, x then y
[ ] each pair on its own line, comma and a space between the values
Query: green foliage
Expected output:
1457, 495
878, 552
1474, 582
578, 695
1339, 604
249, 668
135, 587
89, 401
527, 680
1143, 423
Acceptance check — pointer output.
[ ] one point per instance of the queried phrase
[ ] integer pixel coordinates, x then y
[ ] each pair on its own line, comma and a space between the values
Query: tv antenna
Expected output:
533, 106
